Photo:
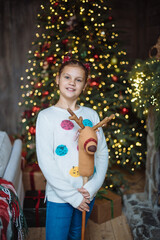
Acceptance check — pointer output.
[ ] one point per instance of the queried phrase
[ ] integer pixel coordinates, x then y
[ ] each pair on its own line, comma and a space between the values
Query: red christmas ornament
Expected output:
45, 46
32, 130
51, 59
35, 109
110, 18
65, 41
38, 85
124, 111
56, 4
45, 93
67, 58
114, 78
93, 82
96, 56
27, 114
88, 66
37, 54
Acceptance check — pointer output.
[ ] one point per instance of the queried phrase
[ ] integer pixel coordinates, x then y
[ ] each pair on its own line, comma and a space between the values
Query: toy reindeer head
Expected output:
87, 143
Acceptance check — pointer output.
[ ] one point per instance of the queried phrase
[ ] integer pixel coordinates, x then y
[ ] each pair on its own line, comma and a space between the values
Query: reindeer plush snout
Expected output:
90, 145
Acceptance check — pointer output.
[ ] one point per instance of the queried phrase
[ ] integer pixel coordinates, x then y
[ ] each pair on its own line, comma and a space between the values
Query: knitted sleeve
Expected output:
48, 165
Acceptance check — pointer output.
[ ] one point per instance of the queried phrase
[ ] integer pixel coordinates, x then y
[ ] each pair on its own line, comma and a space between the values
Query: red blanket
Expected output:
12, 221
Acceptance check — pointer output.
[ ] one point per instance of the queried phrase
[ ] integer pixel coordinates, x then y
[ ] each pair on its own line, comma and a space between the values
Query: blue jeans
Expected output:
63, 222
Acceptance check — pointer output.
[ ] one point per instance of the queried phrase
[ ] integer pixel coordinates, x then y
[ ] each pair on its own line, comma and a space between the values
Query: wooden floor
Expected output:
115, 229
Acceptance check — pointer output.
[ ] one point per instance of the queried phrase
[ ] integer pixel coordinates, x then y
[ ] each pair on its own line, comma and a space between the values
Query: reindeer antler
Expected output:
103, 122
75, 118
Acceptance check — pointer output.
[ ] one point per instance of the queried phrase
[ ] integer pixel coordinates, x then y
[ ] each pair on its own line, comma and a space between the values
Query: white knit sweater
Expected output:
57, 154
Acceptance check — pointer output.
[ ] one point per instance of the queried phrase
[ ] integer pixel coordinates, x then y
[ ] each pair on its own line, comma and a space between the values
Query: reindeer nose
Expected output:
92, 148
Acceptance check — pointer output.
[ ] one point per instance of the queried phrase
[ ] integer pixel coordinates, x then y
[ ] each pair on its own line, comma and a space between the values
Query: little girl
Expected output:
57, 154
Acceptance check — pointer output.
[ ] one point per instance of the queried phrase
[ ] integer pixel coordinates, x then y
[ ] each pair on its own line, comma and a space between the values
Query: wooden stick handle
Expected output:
85, 180
83, 225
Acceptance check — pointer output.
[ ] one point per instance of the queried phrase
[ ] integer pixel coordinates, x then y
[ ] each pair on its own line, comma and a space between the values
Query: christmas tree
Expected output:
84, 30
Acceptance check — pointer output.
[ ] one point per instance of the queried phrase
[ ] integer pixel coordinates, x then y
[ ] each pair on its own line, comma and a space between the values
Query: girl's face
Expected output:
71, 82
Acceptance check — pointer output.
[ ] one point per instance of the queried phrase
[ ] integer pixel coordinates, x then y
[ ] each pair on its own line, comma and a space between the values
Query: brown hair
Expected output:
75, 63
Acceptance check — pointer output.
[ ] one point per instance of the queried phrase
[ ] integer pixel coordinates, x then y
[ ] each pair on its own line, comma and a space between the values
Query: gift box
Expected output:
34, 208
33, 178
106, 207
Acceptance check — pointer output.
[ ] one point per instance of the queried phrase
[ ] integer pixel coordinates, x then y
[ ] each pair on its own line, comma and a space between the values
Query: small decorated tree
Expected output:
145, 82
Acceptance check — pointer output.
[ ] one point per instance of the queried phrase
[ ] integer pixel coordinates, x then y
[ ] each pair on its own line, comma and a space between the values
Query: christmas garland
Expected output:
145, 90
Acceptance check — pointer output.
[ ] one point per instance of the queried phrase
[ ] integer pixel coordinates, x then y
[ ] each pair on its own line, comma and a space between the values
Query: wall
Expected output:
17, 25
138, 23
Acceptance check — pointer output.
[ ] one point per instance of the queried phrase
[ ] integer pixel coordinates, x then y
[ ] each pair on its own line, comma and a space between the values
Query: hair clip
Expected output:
67, 58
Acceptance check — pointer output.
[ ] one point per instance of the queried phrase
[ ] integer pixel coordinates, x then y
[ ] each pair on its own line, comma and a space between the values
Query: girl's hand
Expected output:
84, 205
84, 192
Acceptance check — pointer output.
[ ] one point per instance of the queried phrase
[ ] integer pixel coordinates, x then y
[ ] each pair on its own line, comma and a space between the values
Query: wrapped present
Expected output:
108, 206
33, 178
34, 208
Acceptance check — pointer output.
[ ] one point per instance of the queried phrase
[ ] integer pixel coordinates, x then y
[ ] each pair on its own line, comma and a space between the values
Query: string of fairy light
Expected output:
142, 82
107, 61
